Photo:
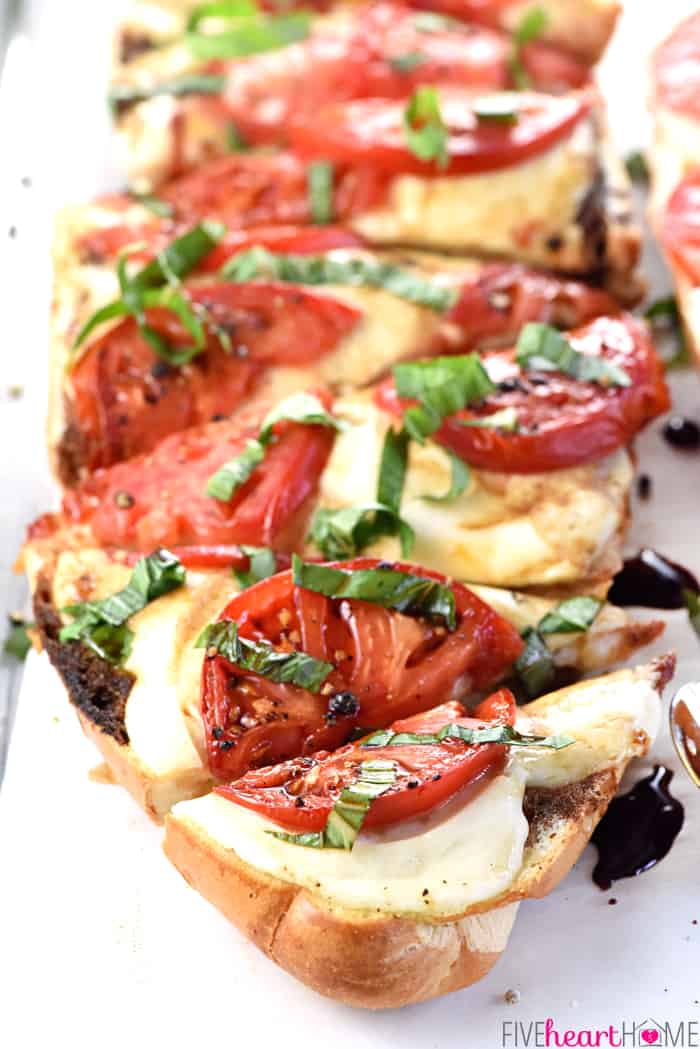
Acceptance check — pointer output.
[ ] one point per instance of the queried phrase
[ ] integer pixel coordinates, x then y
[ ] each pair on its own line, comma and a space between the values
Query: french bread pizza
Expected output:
195, 83
391, 871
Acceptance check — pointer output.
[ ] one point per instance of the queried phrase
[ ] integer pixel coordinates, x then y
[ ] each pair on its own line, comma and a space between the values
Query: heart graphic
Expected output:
650, 1036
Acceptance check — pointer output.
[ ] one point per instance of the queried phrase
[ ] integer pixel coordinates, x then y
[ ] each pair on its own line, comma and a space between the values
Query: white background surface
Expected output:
100, 941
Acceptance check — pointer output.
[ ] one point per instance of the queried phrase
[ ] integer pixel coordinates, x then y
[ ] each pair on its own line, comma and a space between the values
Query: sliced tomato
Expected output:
370, 132
676, 68
561, 422
299, 794
125, 399
160, 499
394, 666
681, 228
495, 304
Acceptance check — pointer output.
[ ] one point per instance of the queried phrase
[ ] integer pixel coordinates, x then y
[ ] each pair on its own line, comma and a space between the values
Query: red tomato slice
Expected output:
244, 190
299, 794
676, 67
681, 228
495, 304
125, 399
160, 499
370, 132
562, 422
393, 665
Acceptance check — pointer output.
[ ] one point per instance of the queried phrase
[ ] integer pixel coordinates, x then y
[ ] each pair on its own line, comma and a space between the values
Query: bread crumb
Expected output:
511, 996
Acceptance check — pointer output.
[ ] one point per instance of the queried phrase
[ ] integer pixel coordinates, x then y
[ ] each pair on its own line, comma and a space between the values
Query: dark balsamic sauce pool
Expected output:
651, 580
638, 829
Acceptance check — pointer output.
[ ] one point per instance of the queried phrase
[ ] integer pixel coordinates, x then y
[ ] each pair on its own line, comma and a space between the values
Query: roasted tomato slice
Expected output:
370, 133
562, 421
681, 229
126, 399
495, 305
258, 189
159, 499
299, 794
676, 68
392, 665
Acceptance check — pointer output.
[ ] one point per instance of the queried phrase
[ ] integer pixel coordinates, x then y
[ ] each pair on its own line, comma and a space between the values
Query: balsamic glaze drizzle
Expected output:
651, 580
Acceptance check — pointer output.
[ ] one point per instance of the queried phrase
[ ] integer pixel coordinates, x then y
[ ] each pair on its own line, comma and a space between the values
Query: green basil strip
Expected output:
259, 657
220, 9
159, 207
392, 469
101, 625
252, 35
407, 62
443, 386
425, 132
459, 479
350, 810
505, 419
263, 564
664, 317
341, 534
574, 615
535, 665
501, 108
257, 262
692, 603
298, 407
229, 477
123, 95
319, 178
543, 348
17, 643
531, 26
505, 734
412, 595
637, 167
170, 266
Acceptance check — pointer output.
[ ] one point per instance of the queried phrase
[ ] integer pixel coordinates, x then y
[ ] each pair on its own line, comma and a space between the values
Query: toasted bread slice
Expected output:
144, 718
375, 958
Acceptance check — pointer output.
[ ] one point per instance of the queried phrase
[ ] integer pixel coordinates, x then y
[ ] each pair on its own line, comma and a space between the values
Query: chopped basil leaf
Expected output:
574, 615
159, 207
322, 269
460, 474
637, 167
664, 317
498, 108
348, 814
542, 348
17, 643
505, 419
229, 477
692, 603
425, 132
412, 595
235, 143
504, 734
531, 26
251, 35
407, 62
392, 469
298, 407
535, 666
158, 284
123, 95
101, 625
340, 534
220, 9
444, 386
319, 178
263, 564
291, 668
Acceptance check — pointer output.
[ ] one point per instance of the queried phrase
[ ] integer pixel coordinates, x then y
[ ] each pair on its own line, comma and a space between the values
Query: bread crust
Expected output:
383, 961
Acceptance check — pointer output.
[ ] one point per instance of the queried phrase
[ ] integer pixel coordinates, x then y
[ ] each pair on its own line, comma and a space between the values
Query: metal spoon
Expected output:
684, 717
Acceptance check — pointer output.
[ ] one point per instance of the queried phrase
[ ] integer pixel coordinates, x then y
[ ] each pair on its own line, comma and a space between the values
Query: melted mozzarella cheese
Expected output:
513, 211
505, 529
460, 855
